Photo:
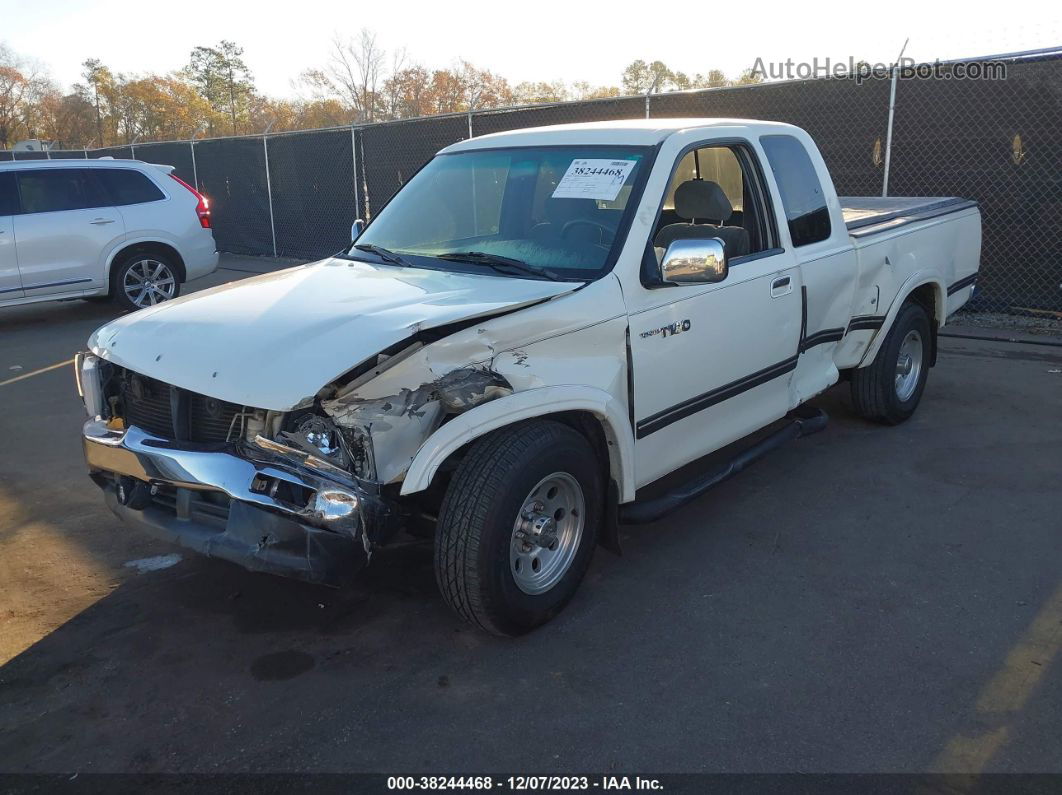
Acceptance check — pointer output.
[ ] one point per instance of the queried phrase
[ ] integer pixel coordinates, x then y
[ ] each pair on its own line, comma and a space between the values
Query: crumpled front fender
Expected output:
527, 405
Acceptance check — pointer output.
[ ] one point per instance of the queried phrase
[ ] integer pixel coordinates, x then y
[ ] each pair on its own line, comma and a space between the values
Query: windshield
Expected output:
555, 209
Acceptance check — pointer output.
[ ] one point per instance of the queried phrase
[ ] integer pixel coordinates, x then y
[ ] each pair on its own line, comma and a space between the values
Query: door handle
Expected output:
783, 285
101, 221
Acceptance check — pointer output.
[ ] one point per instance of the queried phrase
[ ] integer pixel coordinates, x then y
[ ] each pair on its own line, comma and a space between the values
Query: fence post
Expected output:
365, 179
470, 123
354, 165
648, 93
269, 190
888, 131
195, 171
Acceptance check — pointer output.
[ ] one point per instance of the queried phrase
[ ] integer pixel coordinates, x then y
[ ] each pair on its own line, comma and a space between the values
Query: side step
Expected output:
802, 422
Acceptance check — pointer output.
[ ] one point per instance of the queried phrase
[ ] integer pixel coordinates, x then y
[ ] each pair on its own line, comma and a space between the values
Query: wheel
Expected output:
142, 280
518, 526
888, 390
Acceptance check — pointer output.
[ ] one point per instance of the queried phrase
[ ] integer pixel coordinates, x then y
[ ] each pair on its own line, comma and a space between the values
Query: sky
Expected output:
541, 40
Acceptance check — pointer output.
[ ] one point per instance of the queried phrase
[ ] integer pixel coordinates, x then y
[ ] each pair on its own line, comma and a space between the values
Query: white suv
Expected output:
79, 228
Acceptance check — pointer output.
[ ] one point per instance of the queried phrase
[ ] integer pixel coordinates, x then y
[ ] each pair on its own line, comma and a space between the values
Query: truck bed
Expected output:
864, 215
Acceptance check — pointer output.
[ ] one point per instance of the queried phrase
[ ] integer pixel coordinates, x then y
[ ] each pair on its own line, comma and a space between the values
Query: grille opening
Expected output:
176, 414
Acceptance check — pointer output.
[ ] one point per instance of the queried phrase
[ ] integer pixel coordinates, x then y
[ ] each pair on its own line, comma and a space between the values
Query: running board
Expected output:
801, 423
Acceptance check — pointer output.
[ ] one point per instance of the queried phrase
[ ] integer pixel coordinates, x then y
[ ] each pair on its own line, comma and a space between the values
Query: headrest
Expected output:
702, 199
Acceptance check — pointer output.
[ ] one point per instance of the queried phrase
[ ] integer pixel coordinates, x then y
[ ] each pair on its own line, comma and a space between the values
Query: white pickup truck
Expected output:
539, 324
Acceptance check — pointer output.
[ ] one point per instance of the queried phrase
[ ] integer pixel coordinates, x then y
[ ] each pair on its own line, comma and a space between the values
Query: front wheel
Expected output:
142, 280
518, 525
889, 389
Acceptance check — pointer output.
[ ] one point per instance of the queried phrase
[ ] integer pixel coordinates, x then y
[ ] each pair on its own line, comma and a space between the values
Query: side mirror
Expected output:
697, 261
356, 229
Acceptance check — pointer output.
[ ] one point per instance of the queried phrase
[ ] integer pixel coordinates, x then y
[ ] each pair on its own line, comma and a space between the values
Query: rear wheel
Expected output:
518, 525
890, 388
141, 280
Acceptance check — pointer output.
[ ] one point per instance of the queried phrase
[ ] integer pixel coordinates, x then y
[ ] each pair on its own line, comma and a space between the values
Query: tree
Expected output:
409, 93
749, 77
582, 90
354, 72
68, 121
531, 93
98, 79
481, 88
641, 78
21, 86
223, 80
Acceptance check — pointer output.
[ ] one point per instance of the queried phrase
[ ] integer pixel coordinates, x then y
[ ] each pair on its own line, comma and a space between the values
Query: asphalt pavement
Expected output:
867, 599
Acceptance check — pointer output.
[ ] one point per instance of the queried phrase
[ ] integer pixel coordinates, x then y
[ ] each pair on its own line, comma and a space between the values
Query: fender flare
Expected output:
916, 280
530, 403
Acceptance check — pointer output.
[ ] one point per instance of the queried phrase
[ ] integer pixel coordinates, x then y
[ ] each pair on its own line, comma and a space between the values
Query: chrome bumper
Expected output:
289, 513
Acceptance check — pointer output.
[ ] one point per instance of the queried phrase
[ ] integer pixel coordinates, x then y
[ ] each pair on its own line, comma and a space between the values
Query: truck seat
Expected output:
704, 204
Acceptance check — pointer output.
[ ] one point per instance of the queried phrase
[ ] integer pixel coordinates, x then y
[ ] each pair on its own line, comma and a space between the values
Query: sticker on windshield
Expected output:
594, 179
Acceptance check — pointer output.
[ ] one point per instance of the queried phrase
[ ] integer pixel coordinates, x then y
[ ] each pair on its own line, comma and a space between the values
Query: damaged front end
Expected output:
267, 507
301, 493
382, 435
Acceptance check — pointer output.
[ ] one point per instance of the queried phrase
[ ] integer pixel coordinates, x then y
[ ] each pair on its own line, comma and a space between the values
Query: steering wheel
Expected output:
607, 233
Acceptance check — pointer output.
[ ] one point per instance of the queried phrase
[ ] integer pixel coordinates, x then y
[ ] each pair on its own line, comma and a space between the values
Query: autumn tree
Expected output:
21, 87
542, 91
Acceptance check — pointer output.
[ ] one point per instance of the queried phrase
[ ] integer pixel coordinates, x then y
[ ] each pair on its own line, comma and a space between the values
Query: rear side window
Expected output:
8, 194
54, 189
126, 186
802, 196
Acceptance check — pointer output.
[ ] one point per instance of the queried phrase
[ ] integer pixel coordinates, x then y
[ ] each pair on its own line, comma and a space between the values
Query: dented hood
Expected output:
273, 340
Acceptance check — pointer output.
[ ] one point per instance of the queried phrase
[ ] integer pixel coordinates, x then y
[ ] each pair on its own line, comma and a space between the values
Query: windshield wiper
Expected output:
498, 262
385, 254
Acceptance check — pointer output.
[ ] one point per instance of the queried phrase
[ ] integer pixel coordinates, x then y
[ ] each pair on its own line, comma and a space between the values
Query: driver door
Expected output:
713, 362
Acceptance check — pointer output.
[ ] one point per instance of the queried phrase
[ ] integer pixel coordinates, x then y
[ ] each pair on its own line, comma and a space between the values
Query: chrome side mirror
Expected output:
695, 261
356, 229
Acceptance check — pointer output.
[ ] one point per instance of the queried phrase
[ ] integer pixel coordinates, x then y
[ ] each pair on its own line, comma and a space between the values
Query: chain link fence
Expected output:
996, 141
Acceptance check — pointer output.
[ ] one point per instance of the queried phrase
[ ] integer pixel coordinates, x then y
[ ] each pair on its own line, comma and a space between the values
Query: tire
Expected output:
882, 391
162, 276
486, 573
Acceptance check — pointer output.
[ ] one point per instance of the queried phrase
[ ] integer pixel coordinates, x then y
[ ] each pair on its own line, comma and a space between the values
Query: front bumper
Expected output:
270, 508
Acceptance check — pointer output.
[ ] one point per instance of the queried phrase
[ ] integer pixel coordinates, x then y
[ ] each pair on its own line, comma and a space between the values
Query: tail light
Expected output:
202, 207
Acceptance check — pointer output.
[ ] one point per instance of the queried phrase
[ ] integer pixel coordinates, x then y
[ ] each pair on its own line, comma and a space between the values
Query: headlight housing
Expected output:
89, 383
349, 448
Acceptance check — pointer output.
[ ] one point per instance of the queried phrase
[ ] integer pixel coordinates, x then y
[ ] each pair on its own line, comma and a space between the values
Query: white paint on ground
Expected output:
156, 563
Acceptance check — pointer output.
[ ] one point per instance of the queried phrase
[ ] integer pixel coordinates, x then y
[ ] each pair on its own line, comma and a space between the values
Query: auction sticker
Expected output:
594, 179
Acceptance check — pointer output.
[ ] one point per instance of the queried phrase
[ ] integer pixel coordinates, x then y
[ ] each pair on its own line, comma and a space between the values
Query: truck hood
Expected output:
274, 340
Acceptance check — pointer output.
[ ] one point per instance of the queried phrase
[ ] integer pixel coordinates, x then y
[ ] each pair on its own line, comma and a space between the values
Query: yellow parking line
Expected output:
67, 363
1022, 670
1007, 692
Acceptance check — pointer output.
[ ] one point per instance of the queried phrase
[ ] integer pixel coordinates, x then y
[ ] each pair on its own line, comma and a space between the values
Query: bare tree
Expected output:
354, 71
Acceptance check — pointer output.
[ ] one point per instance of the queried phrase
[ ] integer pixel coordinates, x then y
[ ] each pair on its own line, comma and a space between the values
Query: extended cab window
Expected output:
8, 194
54, 189
126, 186
802, 196
715, 191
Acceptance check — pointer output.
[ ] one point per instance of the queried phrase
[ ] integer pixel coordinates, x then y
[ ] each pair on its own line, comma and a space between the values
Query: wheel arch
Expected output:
587, 409
926, 289
145, 246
